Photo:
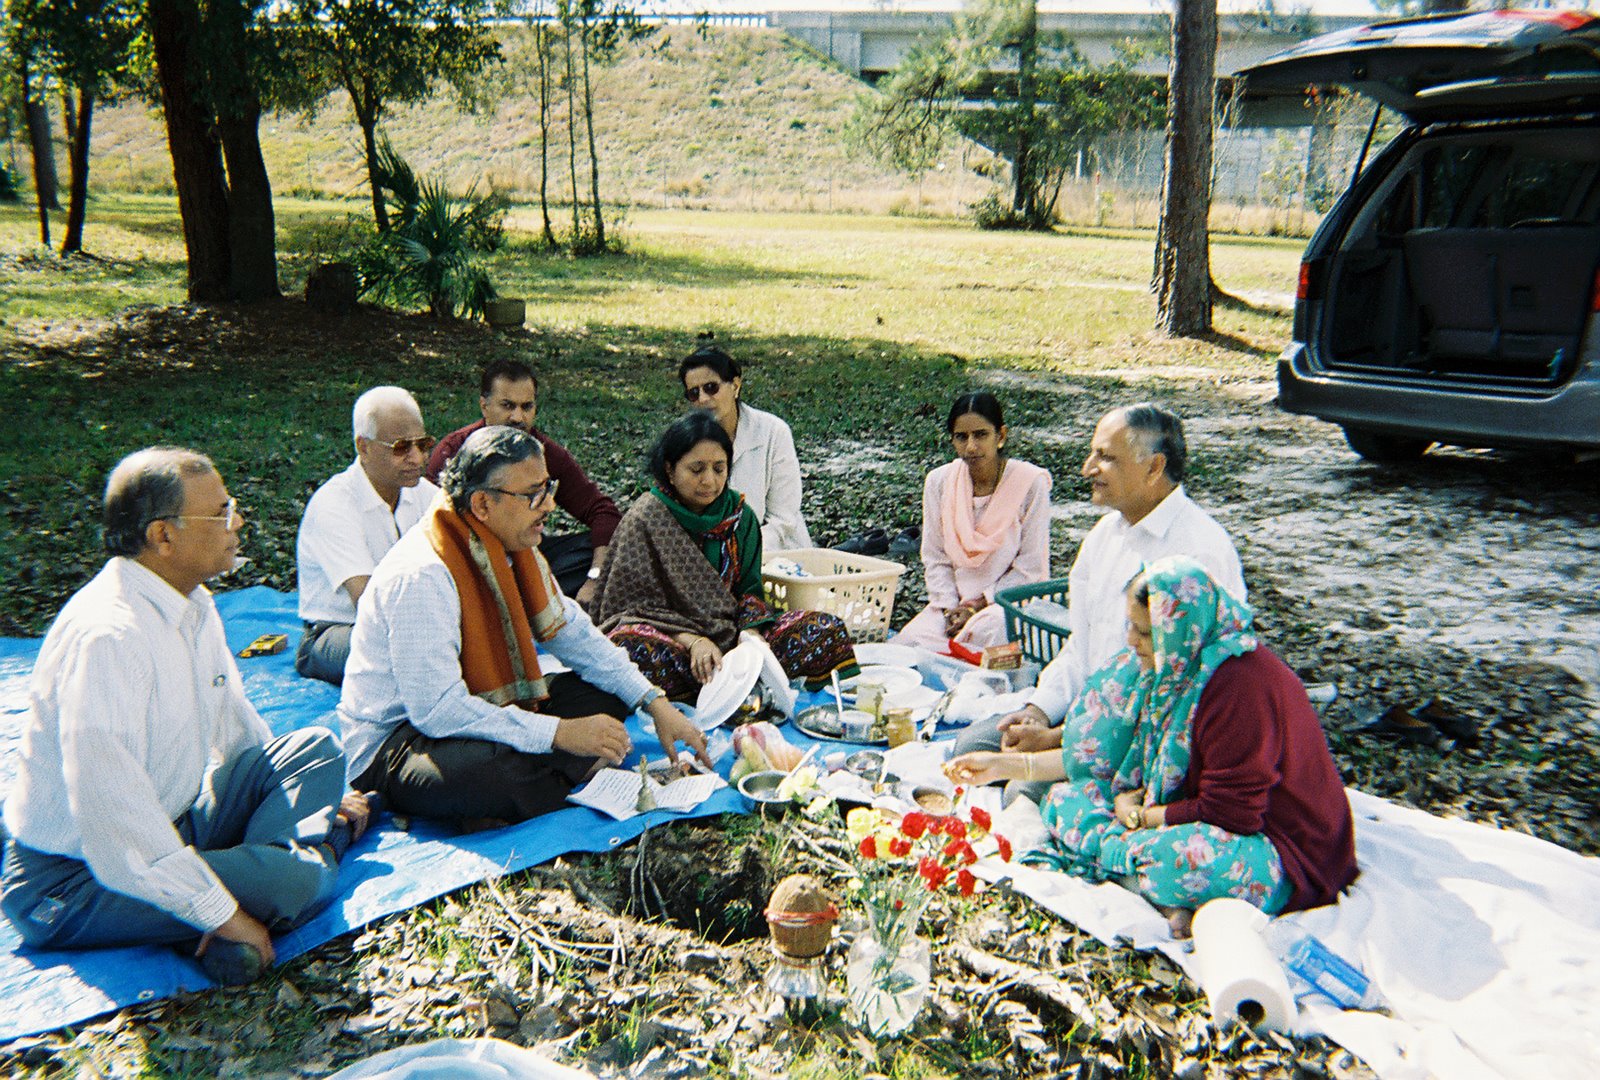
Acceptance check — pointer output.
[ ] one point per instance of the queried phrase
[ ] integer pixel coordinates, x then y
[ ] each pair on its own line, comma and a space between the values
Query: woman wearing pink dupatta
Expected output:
985, 526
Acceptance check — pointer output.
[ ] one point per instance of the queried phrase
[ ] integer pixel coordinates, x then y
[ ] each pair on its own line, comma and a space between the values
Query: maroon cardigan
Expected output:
577, 494
1259, 763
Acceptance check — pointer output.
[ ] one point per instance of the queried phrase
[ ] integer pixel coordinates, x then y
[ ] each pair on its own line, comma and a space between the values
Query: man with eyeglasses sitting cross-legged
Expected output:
446, 711
151, 803
354, 519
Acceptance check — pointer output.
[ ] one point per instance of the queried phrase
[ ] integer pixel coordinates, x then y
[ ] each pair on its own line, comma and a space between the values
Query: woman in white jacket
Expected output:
766, 470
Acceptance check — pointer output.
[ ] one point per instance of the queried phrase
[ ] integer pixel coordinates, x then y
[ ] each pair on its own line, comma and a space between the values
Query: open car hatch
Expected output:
1452, 67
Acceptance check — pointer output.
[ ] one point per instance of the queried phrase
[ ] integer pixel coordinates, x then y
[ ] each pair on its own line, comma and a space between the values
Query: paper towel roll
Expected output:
1240, 976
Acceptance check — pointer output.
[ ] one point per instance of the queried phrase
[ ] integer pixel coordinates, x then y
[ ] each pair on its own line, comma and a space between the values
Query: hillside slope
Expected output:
737, 117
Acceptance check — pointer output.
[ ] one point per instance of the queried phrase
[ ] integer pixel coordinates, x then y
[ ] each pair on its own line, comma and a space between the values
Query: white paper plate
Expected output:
722, 696
876, 653
917, 697
890, 677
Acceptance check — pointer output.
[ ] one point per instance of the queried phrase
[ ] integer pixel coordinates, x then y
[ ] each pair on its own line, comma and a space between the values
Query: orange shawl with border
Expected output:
508, 601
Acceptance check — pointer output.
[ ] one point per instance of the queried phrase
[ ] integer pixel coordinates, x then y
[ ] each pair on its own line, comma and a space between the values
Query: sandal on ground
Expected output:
1463, 730
1397, 724
232, 963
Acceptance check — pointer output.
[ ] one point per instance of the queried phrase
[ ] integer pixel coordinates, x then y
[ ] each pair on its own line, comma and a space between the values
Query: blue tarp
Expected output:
387, 871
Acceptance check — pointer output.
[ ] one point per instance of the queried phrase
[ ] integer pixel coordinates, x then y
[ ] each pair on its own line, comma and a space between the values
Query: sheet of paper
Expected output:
616, 792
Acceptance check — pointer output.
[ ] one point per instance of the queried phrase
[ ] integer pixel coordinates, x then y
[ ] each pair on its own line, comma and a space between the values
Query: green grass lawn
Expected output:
856, 330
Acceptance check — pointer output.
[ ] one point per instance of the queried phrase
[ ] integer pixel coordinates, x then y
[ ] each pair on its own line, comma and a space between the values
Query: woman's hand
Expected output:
705, 659
958, 617
979, 767
1128, 807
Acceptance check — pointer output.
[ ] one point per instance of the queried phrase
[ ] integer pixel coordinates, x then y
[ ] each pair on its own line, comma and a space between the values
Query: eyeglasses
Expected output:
546, 490
710, 390
231, 520
401, 447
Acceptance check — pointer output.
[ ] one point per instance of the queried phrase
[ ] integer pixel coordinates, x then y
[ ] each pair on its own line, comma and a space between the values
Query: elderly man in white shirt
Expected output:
354, 519
1135, 468
152, 804
445, 709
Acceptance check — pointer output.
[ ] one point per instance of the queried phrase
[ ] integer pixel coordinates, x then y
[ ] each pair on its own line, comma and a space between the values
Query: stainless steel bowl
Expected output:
761, 790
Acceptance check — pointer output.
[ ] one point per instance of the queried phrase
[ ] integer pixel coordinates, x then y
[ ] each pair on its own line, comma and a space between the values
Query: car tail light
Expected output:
1310, 280
1594, 296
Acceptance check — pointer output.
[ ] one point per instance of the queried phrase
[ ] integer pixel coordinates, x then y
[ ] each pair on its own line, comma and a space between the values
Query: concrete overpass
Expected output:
870, 39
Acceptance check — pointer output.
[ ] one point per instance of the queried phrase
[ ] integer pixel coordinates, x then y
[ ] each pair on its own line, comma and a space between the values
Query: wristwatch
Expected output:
593, 574
648, 698
1136, 818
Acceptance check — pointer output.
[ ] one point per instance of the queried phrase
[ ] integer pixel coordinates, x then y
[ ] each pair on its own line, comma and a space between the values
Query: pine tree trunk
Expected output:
594, 158
78, 173
1025, 191
369, 141
572, 146
252, 235
1182, 273
44, 162
196, 156
542, 50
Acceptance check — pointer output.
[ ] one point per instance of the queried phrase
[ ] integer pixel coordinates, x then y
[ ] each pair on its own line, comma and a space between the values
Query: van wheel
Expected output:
1384, 449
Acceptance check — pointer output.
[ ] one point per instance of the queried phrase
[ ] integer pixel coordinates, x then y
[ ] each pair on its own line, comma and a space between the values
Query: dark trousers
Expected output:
463, 780
569, 557
324, 648
258, 823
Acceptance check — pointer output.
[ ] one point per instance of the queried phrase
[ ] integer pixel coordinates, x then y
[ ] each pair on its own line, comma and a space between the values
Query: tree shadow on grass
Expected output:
266, 390
552, 278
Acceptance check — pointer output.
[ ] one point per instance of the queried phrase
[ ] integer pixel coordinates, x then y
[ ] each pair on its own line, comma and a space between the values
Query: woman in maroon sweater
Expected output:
1193, 766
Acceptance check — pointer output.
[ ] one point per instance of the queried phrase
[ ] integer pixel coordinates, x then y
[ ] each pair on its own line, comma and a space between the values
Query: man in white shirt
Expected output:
152, 804
354, 519
1134, 468
445, 709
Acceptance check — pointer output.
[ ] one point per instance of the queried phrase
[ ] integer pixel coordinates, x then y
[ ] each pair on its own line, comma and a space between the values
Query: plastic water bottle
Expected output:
1321, 970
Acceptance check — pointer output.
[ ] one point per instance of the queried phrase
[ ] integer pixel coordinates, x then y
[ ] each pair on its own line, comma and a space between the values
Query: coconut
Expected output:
801, 913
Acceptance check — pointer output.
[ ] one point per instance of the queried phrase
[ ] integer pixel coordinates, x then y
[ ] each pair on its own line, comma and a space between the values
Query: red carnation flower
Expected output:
981, 818
935, 826
961, 851
914, 824
935, 874
868, 847
955, 828
899, 847
966, 882
1005, 847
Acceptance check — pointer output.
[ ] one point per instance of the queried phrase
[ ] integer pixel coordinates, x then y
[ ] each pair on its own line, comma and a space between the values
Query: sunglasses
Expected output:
710, 390
401, 447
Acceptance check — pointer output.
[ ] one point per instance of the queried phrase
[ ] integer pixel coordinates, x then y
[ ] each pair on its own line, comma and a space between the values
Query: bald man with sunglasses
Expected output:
354, 519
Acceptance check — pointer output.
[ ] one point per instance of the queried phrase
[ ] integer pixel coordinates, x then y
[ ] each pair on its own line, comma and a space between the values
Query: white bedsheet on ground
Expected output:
1485, 942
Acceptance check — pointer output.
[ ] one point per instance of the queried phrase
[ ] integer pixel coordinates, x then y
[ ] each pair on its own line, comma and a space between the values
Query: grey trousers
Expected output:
257, 823
985, 735
570, 557
323, 650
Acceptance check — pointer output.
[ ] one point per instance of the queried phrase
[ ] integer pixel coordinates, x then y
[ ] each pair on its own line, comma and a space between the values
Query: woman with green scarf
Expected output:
684, 574
1192, 766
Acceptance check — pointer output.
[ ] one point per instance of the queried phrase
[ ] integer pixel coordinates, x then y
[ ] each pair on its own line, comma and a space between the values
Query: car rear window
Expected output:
1467, 184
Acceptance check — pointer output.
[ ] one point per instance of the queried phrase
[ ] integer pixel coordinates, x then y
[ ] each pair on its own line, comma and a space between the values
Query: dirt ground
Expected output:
1465, 577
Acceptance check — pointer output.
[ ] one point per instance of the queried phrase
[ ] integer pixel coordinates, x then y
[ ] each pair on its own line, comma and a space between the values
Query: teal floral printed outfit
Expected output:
1131, 728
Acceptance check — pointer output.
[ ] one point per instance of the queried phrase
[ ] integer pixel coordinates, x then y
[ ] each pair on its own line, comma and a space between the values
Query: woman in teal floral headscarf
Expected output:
1192, 765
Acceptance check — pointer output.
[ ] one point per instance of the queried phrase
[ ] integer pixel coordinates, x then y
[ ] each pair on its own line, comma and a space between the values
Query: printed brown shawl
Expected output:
657, 574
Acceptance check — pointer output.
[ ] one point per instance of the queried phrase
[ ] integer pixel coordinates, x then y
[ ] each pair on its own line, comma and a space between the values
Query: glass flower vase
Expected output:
888, 971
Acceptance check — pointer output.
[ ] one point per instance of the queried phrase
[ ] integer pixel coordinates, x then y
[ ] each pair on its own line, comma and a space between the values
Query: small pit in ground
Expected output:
709, 877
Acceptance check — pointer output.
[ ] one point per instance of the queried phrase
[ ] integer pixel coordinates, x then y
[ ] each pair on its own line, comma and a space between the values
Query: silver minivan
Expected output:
1449, 295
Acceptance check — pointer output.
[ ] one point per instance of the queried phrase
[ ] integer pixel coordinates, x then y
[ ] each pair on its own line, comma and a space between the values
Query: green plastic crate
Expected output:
1040, 640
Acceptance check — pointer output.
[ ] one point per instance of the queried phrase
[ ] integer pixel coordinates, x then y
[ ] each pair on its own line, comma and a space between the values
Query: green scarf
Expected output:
1195, 625
728, 534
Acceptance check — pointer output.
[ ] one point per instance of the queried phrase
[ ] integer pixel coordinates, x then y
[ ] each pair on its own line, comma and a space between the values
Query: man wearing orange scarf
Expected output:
445, 708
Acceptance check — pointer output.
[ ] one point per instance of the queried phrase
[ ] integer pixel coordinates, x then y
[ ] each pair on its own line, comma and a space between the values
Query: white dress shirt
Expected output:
346, 530
1112, 553
405, 663
766, 471
135, 696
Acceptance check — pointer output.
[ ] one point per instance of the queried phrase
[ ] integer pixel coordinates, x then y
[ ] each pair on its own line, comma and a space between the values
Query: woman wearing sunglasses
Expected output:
684, 577
766, 470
